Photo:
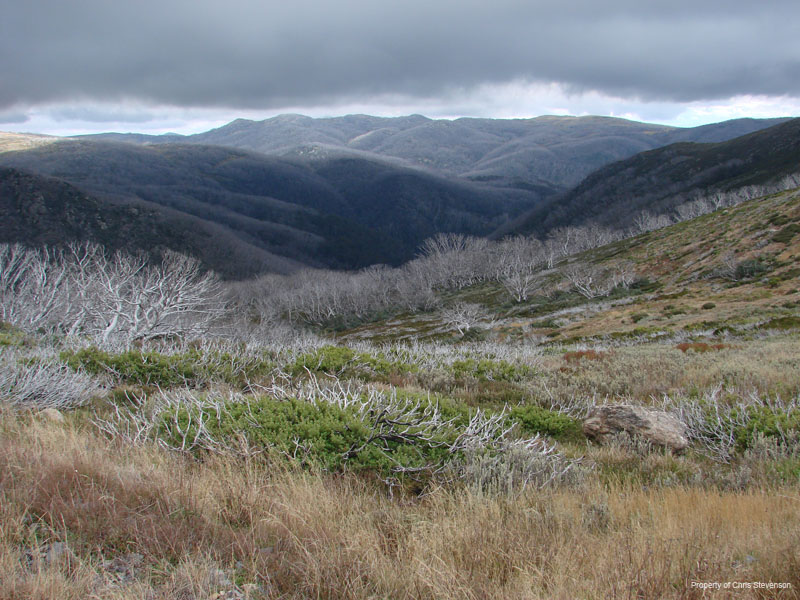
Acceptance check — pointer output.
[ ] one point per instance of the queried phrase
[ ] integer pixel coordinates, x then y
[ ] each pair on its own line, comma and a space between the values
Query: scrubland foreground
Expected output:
182, 450
85, 517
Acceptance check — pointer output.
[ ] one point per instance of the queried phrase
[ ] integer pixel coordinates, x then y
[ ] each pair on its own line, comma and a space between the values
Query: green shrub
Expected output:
782, 323
545, 324
767, 422
709, 306
134, 367
778, 219
192, 368
785, 235
319, 435
10, 335
636, 317
645, 285
534, 419
490, 370
749, 269
345, 362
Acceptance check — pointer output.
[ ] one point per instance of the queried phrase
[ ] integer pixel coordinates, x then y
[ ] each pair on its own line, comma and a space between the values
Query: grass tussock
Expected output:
645, 371
261, 531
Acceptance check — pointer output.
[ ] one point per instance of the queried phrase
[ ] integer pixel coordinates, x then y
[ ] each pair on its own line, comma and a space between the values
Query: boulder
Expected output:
52, 414
656, 426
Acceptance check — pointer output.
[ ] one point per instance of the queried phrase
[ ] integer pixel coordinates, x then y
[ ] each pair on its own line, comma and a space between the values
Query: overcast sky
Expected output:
188, 65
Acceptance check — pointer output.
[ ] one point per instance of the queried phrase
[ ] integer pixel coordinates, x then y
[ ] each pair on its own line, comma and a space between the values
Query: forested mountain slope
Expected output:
334, 211
661, 180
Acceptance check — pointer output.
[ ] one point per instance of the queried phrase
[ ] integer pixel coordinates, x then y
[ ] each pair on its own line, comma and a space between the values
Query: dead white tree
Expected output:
519, 261
646, 221
623, 274
463, 316
31, 285
590, 281
455, 260
118, 299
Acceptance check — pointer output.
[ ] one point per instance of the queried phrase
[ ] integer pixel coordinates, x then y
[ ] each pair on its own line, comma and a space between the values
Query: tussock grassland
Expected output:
770, 366
255, 530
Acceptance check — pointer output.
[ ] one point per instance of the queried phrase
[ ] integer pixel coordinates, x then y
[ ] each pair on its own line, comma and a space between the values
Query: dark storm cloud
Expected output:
256, 54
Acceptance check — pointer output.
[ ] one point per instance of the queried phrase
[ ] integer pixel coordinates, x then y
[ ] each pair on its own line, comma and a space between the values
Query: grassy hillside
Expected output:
10, 142
734, 270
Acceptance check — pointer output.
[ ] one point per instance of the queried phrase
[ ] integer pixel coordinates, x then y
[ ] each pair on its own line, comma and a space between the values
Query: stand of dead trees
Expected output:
112, 300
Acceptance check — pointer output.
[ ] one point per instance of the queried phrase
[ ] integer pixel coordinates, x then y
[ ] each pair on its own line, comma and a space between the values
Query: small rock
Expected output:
655, 426
57, 552
52, 414
219, 578
228, 595
253, 589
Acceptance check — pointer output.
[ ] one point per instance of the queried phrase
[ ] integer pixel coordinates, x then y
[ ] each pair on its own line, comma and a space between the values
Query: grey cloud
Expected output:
255, 54
12, 116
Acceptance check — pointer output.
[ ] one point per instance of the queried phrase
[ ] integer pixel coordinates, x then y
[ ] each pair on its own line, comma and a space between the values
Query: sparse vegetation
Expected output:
247, 457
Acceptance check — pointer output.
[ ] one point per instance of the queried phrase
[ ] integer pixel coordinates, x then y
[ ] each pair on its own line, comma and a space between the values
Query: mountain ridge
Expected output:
551, 151
660, 180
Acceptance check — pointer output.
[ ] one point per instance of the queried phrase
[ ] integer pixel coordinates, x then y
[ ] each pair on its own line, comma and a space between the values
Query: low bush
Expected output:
345, 362
320, 435
404, 438
785, 235
491, 370
782, 323
10, 335
533, 419
193, 368
749, 269
765, 421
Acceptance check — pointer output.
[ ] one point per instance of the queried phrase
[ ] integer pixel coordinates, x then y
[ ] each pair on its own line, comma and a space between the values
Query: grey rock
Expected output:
52, 414
656, 426
57, 552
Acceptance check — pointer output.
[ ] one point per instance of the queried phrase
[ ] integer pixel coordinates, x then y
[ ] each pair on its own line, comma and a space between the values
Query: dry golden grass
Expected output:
304, 535
767, 366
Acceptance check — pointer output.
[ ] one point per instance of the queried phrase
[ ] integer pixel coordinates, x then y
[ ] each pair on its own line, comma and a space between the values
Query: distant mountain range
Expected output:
351, 191
543, 154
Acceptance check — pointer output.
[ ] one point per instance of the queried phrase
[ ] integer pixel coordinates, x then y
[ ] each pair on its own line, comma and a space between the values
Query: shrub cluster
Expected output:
193, 368
345, 362
491, 370
533, 419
